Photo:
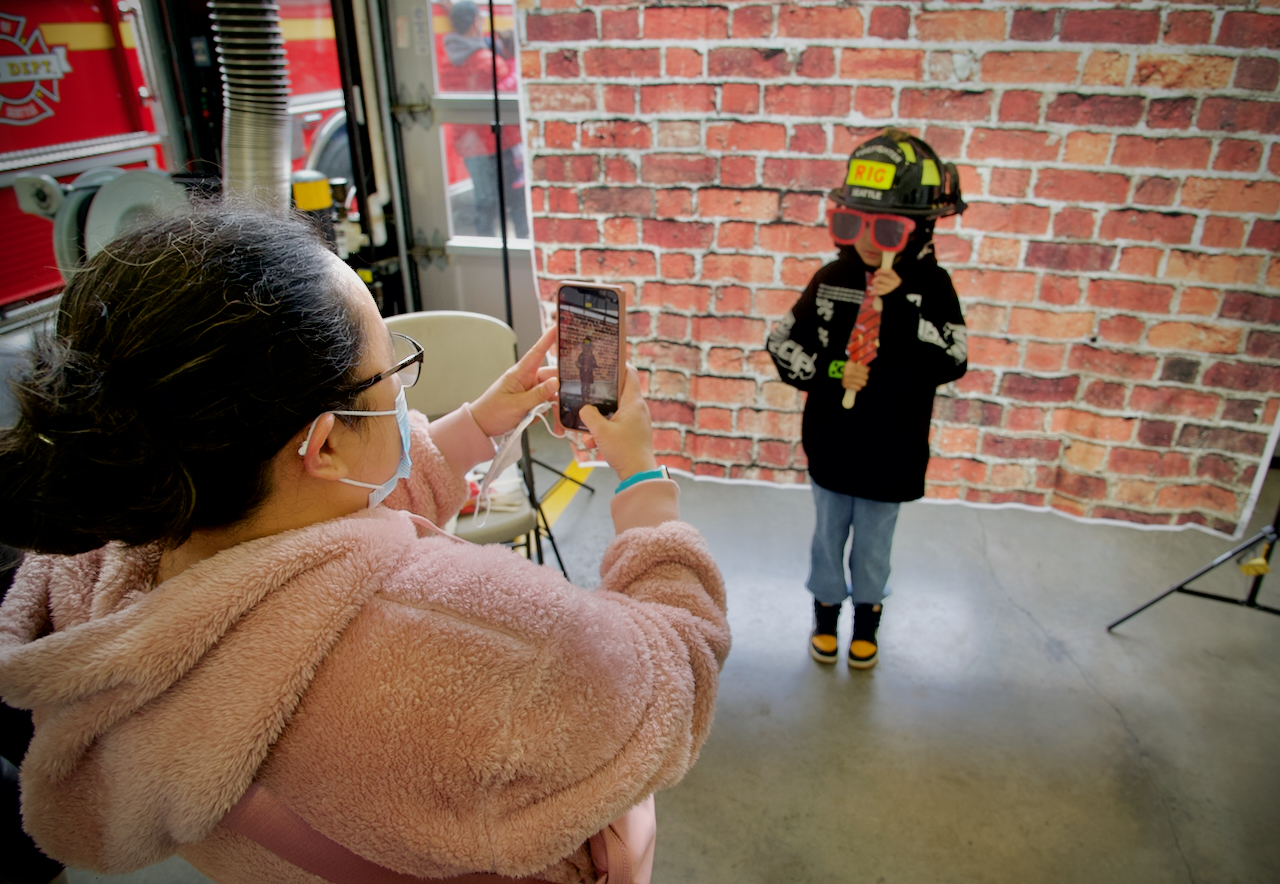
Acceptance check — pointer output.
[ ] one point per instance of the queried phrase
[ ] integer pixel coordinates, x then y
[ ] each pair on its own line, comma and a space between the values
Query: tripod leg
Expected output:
554, 548
563, 475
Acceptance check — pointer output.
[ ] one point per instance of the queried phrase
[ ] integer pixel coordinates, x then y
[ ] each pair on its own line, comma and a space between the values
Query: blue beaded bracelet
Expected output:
659, 473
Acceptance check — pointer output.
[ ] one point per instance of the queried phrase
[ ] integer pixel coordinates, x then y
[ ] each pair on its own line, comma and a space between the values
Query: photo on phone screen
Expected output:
589, 343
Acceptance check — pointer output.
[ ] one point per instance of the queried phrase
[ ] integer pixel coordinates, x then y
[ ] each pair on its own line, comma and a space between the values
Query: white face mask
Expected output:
379, 492
509, 450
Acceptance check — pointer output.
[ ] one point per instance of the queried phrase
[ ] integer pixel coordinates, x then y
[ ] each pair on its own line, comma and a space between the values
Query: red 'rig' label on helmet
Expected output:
870, 173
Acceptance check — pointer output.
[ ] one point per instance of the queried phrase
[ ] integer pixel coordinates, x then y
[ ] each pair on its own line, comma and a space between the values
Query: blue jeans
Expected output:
872, 522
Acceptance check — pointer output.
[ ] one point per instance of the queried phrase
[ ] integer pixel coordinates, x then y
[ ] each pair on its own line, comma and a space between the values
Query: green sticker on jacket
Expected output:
835, 369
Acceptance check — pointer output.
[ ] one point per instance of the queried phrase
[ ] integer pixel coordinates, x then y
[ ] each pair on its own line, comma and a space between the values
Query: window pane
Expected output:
464, 56
471, 154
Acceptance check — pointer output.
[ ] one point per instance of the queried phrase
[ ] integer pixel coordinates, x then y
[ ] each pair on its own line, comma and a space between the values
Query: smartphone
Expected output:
589, 347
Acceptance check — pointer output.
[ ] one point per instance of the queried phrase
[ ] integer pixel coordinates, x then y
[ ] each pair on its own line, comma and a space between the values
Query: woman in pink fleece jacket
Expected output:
214, 600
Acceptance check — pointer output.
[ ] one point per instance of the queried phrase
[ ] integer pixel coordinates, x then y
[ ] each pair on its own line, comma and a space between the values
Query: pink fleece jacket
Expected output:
435, 707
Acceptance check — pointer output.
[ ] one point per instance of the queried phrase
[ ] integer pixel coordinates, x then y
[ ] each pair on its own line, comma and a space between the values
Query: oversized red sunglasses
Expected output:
888, 232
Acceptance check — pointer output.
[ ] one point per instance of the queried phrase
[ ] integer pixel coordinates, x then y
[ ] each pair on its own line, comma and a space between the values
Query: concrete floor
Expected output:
1005, 735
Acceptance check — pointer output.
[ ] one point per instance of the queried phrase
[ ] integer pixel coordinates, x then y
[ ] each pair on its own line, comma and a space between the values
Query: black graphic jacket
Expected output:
879, 449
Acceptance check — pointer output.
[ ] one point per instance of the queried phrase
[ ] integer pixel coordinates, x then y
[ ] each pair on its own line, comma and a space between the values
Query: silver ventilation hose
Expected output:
256, 127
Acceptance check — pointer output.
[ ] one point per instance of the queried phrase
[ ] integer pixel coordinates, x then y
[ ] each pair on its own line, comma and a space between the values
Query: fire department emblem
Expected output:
29, 73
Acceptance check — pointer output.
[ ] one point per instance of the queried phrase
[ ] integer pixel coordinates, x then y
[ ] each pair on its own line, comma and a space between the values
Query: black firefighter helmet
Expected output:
898, 174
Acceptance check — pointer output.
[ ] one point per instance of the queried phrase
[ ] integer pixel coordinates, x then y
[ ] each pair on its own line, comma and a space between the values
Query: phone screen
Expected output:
588, 351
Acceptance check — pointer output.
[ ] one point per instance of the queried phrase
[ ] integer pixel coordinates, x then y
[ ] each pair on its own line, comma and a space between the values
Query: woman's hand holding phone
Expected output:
625, 440
523, 386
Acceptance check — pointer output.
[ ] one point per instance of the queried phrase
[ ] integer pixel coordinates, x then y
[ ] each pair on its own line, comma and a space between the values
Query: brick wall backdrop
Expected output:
1116, 263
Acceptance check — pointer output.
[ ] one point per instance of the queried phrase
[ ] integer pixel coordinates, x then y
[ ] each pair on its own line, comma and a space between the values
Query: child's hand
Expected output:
855, 376
885, 280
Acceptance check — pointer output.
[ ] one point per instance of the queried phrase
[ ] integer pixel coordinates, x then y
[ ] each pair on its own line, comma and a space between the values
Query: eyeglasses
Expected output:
409, 356
888, 232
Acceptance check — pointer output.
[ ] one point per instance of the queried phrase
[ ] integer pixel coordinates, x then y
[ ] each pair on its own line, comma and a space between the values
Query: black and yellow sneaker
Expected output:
823, 644
862, 648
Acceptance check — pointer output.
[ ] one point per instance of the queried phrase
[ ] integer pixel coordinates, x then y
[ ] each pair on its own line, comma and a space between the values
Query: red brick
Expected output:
1103, 395
748, 63
1121, 329
1215, 466
1265, 235
1010, 182
706, 469
1204, 302
890, 22
1138, 261
678, 169
564, 261
808, 139
1171, 113
1235, 115
728, 448
1264, 345
1166, 153
995, 285
818, 62
798, 271
1174, 400
531, 65
768, 423
678, 234
617, 201
1109, 26
1095, 110
664, 354
664, 411
1030, 67
752, 21
1049, 324
1013, 144
615, 133
677, 265
1258, 74
1157, 433
882, 64
620, 231
1079, 257
623, 62
1007, 218
748, 204
725, 391
683, 62
1243, 376
686, 23
1071, 186
1033, 25
564, 99
733, 298
619, 170
875, 102
807, 101
1198, 73
736, 235
1209, 497
1060, 289
789, 173
952, 249
1189, 336
740, 98
1080, 486
1139, 462
1020, 107
563, 63
738, 172
954, 440
559, 135
746, 136
1036, 389
1238, 156
1106, 69
1222, 233
775, 302
944, 104
962, 26
620, 99
773, 453
742, 268
819, 22
795, 239
992, 351
1073, 224
737, 330
1250, 307
617, 262
1250, 30
1123, 515
1092, 426
667, 440
1044, 357
955, 469
1188, 28
571, 230
560, 27
1148, 226
1225, 269
577, 168
1111, 363
1021, 448
620, 24
1155, 192
671, 326
673, 97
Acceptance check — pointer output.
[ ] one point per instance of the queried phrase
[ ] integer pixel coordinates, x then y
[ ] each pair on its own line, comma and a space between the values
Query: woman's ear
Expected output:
319, 454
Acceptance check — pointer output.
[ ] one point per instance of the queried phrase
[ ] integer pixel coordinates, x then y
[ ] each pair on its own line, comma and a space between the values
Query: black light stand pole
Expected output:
1268, 534
502, 185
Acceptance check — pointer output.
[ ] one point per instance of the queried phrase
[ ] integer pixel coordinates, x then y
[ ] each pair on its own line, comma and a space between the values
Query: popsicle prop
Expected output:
865, 339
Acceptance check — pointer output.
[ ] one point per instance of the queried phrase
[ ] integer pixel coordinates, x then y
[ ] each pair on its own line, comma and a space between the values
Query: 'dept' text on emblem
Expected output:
29, 73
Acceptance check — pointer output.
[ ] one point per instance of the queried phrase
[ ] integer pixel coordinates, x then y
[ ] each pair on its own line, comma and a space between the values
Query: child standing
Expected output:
866, 459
